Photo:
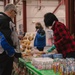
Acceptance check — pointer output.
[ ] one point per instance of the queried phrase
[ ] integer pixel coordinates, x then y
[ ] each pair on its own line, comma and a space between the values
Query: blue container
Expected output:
47, 55
57, 56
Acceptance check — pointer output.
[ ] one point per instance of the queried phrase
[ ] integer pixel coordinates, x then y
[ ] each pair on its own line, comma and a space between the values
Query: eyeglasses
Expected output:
15, 11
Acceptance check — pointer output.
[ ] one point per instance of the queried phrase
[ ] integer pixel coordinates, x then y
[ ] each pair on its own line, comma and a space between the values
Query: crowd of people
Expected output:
9, 39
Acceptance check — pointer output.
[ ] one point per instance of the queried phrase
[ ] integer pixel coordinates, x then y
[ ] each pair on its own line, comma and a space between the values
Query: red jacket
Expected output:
62, 39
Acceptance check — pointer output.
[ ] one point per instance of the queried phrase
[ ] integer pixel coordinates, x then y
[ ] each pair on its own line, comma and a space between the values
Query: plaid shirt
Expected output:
62, 39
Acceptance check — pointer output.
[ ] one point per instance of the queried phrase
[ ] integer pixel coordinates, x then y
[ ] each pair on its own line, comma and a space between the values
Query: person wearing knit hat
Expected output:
63, 41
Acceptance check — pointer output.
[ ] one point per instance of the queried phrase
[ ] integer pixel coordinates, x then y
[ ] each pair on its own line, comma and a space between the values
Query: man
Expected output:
63, 41
9, 43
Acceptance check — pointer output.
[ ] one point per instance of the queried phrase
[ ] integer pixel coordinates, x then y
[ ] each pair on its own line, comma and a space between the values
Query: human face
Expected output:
13, 13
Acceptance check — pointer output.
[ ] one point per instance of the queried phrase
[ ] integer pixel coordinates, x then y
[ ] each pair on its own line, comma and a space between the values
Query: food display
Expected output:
45, 61
25, 43
64, 66
42, 63
26, 48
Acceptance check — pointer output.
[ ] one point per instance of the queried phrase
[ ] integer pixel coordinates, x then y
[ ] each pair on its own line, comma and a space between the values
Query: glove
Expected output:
18, 55
51, 49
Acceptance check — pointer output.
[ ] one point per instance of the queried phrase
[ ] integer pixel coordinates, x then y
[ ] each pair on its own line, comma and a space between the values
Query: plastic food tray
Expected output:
31, 70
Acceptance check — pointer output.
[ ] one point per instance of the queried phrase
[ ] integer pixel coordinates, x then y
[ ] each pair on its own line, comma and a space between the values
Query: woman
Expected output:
63, 41
40, 38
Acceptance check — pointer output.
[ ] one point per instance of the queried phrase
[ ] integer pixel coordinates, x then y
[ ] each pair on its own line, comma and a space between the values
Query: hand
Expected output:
18, 55
45, 51
42, 52
51, 48
20, 37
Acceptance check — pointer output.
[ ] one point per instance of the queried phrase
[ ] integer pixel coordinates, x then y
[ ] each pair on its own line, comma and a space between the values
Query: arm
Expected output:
5, 45
51, 49
63, 33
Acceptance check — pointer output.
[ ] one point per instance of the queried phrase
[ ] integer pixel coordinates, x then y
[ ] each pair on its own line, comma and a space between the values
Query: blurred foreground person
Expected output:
9, 43
63, 41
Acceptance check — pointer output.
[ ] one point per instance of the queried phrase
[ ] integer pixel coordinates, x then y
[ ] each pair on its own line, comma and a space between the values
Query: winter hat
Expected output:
49, 18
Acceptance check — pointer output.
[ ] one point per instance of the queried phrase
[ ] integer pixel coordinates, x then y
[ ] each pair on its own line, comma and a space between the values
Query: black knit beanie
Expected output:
49, 18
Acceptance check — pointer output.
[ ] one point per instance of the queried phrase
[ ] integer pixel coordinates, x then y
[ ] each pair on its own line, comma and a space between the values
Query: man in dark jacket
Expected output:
9, 43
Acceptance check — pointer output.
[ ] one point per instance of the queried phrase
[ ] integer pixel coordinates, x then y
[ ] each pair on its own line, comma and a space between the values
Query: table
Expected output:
31, 70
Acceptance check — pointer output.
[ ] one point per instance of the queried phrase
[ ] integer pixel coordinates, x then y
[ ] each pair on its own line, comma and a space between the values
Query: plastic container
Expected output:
57, 56
47, 55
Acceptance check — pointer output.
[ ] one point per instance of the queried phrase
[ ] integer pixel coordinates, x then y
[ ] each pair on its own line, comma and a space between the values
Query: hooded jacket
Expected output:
9, 42
40, 39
